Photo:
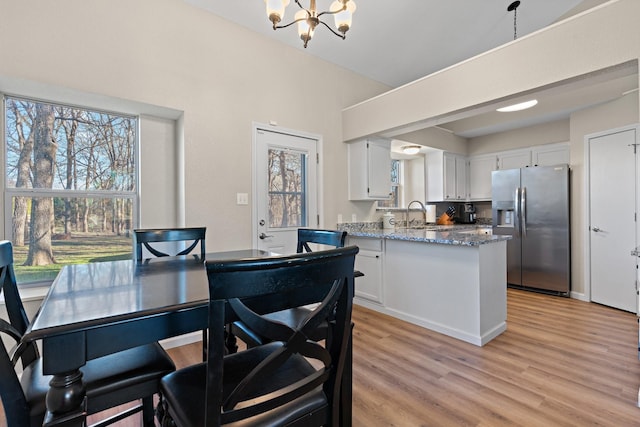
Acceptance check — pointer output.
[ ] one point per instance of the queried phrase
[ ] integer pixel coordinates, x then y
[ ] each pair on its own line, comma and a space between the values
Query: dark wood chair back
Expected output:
145, 237
195, 235
112, 380
15, 404
276, 377
322, 237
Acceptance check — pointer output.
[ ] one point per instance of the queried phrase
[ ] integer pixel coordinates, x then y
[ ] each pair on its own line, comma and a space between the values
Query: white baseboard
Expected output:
181, 340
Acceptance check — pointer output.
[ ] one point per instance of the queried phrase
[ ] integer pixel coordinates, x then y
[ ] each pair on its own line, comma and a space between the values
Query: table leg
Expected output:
66, 400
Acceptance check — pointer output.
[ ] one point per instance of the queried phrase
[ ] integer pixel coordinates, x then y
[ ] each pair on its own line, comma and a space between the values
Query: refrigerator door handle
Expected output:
516, 213
523, 210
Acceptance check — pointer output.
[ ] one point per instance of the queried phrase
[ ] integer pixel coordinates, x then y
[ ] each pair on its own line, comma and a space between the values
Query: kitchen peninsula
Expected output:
450, 279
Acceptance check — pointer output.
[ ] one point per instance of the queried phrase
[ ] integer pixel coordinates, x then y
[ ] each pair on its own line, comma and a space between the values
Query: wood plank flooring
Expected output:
561, 362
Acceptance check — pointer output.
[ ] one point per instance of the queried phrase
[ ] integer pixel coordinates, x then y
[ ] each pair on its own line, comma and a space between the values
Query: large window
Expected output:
70, 186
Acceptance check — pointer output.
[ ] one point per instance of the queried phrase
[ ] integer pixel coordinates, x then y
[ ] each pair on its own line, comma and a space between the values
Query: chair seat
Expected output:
110, 381
184, 390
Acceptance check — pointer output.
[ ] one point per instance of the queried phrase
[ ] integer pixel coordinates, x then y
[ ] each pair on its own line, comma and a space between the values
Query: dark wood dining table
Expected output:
96, 309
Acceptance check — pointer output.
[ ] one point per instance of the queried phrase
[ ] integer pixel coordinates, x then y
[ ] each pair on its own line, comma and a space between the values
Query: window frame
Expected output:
9, 193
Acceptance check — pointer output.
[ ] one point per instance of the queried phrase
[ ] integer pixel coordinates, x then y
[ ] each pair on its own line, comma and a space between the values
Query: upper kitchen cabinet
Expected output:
539, 155
514, 159
370, 169
480, 168
550, 154
446, 175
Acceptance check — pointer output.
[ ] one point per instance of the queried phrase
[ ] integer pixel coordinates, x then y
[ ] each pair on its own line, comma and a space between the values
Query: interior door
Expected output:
612, 192
285, 189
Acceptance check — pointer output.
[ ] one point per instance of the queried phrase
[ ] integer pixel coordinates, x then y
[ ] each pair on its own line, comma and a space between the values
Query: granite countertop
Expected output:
461, 235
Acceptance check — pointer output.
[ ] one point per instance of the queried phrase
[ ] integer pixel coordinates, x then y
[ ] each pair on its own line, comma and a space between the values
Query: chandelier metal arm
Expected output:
342, 36
289, 24
302, 7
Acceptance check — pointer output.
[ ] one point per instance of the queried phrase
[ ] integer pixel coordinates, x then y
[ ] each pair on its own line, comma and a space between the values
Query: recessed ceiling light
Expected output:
518, 107
411, 149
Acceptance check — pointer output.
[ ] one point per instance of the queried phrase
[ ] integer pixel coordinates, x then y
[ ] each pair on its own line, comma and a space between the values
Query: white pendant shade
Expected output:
275, 9
304, 30
343, 18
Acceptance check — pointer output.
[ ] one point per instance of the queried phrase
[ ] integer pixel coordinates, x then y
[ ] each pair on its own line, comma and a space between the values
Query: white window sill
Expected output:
32, 293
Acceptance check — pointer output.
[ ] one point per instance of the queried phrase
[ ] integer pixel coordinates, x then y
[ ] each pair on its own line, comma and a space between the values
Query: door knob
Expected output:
264, 236
596, 229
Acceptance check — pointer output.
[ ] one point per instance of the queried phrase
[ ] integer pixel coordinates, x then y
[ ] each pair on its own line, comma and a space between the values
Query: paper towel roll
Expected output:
431, 213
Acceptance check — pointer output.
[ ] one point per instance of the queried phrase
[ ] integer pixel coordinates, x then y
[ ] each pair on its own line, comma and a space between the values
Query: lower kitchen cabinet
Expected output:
368, 262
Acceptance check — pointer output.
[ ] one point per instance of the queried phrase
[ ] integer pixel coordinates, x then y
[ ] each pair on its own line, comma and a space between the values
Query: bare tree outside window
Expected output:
287, 184
71, 182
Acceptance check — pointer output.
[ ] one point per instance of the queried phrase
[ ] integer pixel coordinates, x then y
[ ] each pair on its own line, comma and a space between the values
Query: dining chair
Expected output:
292, 316
152, 238
293, 380
110, 381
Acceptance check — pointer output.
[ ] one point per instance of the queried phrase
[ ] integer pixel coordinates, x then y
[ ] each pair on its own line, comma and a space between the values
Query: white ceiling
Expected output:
396, 42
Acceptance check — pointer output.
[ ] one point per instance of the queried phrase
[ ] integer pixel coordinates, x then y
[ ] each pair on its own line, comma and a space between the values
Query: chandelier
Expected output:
308, 19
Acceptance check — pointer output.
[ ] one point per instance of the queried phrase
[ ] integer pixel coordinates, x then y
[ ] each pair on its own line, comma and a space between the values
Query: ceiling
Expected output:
396, 42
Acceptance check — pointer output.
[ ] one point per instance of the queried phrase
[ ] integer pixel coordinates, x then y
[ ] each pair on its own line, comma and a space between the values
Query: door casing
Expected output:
256, 126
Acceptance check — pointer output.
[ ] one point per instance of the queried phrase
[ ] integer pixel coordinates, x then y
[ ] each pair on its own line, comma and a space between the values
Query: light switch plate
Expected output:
242, 198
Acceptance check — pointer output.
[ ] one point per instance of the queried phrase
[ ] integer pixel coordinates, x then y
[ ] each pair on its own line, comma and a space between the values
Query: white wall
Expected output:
621, 112
211, 80
546, 133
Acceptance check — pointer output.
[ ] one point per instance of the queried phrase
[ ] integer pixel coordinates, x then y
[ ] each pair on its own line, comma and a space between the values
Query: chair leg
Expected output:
147, 412
204, 345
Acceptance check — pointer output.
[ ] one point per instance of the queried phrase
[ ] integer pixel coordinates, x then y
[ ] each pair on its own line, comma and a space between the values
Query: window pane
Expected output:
287, 188
56, 231
67, 148
70, 187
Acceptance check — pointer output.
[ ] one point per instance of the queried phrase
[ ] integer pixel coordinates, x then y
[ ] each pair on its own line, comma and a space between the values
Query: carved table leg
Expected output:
66, 400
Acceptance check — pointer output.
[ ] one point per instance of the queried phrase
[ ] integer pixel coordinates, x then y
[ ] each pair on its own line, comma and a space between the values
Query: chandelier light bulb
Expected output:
343, 14
275, 10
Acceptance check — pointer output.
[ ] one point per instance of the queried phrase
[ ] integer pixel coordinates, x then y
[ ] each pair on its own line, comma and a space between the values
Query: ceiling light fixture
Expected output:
518, 107
411, 149
514, 7
308, 19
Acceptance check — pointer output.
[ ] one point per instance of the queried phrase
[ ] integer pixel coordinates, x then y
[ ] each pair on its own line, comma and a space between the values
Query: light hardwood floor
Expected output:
561, 362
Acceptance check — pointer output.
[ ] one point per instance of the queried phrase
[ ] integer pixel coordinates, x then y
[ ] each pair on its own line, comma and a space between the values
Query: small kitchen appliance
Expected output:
466, 214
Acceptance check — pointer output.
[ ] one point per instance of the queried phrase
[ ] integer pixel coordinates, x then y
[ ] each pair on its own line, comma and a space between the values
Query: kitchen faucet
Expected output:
424, 212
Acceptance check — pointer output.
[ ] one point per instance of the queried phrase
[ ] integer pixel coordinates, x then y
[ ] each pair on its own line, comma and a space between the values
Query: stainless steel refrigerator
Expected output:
532, 206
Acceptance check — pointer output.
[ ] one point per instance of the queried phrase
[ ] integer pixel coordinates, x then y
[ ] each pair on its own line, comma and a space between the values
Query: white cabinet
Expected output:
539, 155
480, 168
369, 169
446, 175
514, 159
369, 262
550, 154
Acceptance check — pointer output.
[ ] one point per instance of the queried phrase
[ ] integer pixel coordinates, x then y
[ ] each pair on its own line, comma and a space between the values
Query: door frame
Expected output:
255, 127
586, 217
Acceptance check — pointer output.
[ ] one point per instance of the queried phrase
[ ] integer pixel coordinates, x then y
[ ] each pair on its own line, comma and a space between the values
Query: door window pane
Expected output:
287, 188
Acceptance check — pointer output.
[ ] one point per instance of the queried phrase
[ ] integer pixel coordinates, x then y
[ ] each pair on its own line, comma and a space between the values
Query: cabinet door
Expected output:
480, 169
369, 286
461, 178
379, 170
514, 159
549, 155
449, 176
